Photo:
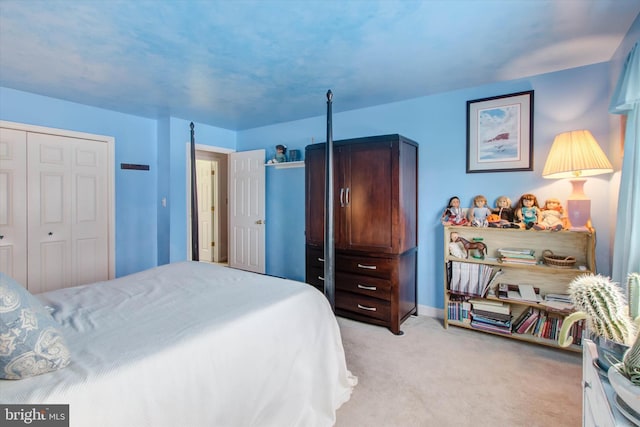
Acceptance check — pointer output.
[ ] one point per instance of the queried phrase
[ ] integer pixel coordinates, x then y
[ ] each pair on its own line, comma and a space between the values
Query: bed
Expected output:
193, 344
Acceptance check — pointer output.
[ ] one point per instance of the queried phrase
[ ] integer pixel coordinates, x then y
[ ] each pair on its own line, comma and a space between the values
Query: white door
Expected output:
13, 204
247, 210
205, 238
215, 210
67, 211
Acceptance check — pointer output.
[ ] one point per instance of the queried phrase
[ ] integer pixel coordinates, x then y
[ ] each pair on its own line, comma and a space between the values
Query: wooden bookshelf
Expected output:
548, 278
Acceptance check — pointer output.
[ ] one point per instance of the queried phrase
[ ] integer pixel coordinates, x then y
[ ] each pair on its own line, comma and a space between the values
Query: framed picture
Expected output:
500, 133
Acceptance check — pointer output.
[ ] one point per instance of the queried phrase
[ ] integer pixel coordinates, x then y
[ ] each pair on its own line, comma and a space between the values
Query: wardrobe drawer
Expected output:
363, 305
315, 277
378, 267
315, 257
364, 285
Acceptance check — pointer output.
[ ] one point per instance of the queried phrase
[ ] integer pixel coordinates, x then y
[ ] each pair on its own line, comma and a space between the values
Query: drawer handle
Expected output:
321, 259
367, 308
321, 278
368, 288
587, 384
368, 267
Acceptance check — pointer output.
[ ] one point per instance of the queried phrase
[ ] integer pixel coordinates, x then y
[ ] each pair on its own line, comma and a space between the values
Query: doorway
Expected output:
244, 172
212, 172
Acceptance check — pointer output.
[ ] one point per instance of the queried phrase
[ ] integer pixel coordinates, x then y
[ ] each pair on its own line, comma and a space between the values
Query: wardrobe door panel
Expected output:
314, 200
369, 211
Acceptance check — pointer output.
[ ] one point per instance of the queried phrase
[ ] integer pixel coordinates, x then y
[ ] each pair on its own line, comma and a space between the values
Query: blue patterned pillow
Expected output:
31, 342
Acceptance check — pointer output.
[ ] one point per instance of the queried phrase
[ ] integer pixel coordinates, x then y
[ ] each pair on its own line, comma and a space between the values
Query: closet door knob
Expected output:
1, 236
50, 234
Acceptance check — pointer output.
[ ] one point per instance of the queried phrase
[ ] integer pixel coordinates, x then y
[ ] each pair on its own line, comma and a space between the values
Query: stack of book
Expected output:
493, 316
517, 256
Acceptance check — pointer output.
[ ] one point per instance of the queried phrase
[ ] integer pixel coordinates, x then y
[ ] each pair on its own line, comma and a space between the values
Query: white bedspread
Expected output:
193, 344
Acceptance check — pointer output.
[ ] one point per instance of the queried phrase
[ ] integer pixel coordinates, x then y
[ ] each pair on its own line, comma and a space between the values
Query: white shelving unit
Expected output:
286, 165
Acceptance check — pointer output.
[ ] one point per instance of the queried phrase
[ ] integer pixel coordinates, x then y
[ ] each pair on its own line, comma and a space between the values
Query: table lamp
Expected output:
576, 154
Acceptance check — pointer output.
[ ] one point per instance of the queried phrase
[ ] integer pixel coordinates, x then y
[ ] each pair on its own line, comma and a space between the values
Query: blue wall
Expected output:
135, 142
572, 99
149, 234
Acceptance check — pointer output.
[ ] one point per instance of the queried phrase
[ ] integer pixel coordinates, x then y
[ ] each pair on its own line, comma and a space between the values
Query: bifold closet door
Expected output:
67, 211
13, 204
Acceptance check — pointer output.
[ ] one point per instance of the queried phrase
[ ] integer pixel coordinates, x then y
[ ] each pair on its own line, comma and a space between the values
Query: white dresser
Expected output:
598, 398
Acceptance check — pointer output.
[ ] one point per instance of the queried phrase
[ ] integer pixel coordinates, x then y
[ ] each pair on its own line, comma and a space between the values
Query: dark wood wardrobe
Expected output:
375, 224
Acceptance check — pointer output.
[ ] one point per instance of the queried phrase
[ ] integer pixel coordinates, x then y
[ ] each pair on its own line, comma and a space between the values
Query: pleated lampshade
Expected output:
575, 153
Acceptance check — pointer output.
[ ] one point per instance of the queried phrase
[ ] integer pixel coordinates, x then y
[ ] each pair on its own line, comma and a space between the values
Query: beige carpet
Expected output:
432, 376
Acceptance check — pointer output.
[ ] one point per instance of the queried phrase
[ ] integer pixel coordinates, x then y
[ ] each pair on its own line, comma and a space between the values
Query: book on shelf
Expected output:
558, 297
511, 260
516, 251
459, 309
490, 306
517, 256
527, 293
469, 278
490, 320
490, 328
491, 314
520, 319
491, 282
529, 321
557, 305
514, 292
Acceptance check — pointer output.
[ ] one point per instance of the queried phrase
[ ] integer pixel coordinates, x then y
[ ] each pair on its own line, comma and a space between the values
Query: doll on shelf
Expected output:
502, 214
527, 211
479, 212
453, 214
281, 153
552, 216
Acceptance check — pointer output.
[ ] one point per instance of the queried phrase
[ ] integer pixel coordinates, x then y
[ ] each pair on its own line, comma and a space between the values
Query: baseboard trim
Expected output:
425, 310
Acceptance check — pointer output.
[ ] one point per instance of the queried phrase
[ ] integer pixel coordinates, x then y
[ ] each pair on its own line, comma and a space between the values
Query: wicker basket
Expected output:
558, 260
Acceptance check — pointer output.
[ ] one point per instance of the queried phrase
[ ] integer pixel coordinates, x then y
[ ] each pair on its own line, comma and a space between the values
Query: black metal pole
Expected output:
195, 256
329, 252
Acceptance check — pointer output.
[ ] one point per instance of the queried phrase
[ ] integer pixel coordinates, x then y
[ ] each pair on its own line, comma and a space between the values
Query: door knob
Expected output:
50, 234
260, 221
1, 236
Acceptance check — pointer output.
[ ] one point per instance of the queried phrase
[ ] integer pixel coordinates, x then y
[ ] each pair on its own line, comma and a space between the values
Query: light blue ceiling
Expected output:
243, 64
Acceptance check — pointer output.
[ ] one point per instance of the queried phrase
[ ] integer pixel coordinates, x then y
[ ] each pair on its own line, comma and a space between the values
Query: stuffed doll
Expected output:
479, 212
502, 216
452, 214
527, 211
551, 216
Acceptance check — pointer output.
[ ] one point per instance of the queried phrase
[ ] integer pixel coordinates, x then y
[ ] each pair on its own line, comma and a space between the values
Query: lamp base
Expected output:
579, 213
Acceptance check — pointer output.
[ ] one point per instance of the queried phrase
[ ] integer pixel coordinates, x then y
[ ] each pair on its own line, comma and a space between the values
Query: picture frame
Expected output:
500, 133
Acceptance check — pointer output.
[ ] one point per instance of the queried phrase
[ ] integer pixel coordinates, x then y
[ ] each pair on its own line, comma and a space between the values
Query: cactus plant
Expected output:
601, 302
630, 366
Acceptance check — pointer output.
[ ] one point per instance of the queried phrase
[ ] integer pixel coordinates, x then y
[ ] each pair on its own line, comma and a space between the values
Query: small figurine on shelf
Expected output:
502, 214
479, 212
527, 211
552, 216
453, 214
281, 153
455, 247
